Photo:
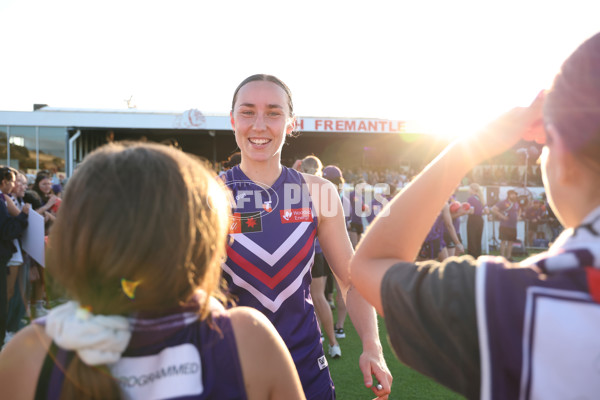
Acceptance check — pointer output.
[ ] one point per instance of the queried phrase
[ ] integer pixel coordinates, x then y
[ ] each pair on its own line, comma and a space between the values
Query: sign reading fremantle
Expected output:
341, 125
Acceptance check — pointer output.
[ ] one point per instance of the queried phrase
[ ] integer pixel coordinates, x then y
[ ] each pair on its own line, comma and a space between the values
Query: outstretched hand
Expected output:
372, 364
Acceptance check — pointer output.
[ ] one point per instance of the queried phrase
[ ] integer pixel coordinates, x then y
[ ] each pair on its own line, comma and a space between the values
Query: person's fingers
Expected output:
382, 385
366, 371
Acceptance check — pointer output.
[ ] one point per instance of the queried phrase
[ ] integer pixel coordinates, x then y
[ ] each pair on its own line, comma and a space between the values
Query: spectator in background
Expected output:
475, 219
43, 201
11, 227
231, 162
455, 214
431, 248
334, 175
357, 208
297, 166
57, 190
313, 166
533, 216
18, 265
376, 197
508, 212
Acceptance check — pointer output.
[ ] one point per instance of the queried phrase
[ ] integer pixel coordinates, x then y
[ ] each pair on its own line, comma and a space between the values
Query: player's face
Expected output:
8, 184
20, 187
45, 185
261, 119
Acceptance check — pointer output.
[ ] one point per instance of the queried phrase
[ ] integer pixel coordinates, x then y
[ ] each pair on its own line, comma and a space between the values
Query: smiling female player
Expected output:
279, 214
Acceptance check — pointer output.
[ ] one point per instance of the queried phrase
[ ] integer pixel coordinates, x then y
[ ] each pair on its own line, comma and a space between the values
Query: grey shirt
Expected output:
431, 320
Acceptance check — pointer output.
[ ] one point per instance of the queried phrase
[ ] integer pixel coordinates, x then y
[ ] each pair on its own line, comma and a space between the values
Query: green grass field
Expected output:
408, 384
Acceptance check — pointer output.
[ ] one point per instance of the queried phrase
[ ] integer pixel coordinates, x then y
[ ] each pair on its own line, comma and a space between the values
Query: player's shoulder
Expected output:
253, 324
17, 370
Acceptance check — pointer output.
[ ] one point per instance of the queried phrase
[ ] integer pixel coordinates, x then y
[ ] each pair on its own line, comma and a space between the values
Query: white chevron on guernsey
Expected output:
271, 305
263, 254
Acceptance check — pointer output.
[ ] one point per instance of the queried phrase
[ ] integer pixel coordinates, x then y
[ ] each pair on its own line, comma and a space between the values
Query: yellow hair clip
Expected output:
129, 287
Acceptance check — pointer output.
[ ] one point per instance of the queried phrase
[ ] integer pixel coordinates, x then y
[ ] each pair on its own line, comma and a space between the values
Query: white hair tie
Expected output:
97, 339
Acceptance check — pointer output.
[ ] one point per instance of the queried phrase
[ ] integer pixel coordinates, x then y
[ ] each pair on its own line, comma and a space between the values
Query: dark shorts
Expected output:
509, 234
448, 239
430, 249
356, 227
320, 267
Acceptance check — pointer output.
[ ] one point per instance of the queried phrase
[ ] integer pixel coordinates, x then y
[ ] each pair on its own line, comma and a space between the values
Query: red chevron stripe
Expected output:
256, 272
593, 278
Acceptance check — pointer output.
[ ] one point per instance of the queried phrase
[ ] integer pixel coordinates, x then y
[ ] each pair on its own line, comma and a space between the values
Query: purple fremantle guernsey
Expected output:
437, 229
538, 324
509, 209
476, 204
356, 204
269, 266
174, 356
455, 221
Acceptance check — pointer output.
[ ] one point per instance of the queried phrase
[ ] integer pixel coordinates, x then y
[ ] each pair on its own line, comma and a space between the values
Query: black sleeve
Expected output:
11, 227
431, 320
32, 198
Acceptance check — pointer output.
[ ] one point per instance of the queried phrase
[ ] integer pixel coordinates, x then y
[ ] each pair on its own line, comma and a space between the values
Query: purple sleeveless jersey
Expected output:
269, 262
538, 330
174, 356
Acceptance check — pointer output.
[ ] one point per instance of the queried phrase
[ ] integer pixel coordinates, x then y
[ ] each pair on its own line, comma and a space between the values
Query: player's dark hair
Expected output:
572, 106
265, 78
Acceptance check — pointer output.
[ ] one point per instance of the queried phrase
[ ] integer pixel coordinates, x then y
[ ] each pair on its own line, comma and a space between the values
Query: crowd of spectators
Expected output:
25, 286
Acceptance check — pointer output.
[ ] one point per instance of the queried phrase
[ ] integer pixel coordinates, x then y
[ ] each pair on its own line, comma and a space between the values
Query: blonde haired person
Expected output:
312, 165
488, 328
142, 270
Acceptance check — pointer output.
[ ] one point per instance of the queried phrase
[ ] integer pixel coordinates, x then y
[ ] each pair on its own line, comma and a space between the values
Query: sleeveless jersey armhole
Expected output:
52, 374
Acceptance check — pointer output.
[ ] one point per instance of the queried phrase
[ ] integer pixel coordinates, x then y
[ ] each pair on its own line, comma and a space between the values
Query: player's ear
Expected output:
291, 126
565, 165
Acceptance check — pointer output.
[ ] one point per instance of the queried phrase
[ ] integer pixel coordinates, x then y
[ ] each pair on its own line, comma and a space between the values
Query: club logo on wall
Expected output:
192, 118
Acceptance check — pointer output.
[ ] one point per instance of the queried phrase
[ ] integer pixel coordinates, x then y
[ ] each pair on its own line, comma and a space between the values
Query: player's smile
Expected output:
260, 120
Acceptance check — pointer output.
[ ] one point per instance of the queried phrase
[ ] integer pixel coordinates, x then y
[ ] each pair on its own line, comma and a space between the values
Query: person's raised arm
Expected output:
51, 201
396, 235
337, 249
